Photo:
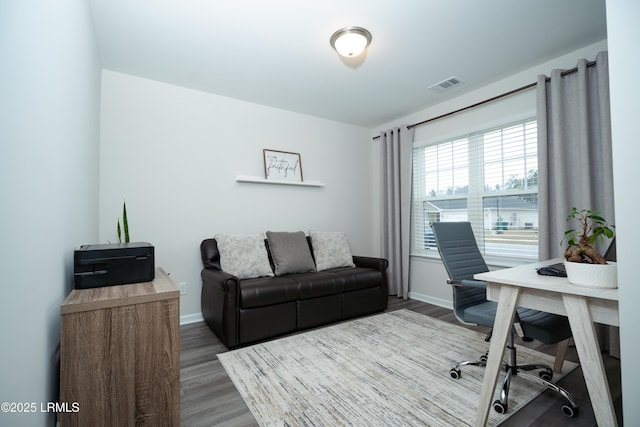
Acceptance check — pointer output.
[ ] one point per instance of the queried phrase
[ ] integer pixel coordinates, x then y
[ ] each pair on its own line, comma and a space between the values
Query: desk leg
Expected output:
584, 336
507, 304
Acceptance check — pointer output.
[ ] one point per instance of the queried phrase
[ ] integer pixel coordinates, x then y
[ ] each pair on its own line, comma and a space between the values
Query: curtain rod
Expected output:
495, 98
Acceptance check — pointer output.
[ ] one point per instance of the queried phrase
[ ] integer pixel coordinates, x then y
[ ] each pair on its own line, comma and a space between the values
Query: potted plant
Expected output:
585, 265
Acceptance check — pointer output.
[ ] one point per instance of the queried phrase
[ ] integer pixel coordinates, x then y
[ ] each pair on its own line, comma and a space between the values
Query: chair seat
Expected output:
544, 327
482, 314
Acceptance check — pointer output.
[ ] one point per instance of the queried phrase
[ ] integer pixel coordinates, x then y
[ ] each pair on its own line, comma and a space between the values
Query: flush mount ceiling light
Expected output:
350, 41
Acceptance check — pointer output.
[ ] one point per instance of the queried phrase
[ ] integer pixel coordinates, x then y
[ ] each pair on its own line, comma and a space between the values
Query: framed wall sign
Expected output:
282, 166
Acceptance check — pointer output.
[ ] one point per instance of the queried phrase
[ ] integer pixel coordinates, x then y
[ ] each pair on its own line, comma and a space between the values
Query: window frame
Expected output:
476, 194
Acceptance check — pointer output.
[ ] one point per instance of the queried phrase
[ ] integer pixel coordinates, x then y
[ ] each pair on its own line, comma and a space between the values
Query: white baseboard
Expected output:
191, 318
431, 300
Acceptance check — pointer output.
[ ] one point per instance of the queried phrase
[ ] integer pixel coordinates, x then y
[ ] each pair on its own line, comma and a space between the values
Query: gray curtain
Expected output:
574, 149
395, 152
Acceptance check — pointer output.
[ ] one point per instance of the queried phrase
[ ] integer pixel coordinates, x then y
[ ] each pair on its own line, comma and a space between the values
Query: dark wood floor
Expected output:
209, 398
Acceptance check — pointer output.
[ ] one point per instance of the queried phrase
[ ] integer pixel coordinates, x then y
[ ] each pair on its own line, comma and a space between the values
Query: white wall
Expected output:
50, 83
427, 281
174, 154
623, 33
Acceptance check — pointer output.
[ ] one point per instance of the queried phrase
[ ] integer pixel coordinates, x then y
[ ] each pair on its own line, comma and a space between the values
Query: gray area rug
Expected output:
390, 369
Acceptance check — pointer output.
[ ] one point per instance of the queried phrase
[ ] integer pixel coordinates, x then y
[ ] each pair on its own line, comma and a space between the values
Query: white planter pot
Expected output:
592, 275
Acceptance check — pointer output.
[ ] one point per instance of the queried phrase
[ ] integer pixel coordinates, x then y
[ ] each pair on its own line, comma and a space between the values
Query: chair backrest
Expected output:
462, 259
611, 254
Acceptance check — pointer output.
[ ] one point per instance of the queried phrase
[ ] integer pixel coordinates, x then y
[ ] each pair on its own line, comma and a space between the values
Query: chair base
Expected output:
512, 369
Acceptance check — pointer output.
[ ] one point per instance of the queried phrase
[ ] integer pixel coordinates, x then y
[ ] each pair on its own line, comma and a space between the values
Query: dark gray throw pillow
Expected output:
290, 252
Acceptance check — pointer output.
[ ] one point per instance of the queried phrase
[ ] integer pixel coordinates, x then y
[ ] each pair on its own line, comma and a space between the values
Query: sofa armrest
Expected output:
379, 264
226, 282
219, 304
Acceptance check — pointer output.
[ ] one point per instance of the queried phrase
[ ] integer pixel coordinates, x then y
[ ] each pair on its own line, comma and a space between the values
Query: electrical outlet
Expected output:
183, 288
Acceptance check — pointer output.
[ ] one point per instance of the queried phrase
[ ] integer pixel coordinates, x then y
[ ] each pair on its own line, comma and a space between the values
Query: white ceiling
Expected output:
277, 52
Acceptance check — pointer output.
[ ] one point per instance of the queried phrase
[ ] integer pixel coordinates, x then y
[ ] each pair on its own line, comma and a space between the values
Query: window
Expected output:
489, 178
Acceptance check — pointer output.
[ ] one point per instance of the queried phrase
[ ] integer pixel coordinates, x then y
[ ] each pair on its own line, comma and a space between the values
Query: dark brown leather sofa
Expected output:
249, 310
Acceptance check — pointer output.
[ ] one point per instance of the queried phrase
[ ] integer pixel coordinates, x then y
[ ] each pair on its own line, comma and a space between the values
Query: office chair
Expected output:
462, 259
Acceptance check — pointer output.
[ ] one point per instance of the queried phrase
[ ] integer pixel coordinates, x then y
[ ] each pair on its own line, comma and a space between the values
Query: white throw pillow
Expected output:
244, 255
331, 249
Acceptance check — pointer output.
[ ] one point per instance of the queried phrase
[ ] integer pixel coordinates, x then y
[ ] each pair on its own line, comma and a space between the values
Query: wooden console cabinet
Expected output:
120, 355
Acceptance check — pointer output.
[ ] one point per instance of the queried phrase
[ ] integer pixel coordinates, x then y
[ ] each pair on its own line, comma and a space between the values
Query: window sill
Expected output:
491, 261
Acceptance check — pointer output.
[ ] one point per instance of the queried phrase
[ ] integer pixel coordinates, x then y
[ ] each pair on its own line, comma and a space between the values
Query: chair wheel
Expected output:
454, 373
569, 411
483, 358
499, 407
546, 375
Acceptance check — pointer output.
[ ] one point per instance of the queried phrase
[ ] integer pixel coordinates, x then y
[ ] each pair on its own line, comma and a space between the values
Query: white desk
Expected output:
522, 286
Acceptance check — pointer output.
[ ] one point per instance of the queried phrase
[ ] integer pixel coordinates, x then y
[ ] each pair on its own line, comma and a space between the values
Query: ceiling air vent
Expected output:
445, 84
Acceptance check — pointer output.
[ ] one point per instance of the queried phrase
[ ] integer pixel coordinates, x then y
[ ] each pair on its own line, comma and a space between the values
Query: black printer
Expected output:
95, 266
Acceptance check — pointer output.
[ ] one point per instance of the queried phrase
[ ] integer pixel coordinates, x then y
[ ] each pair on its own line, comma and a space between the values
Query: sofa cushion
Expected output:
313, 285
290, 252
244, 255
265, 291
331, 249
358, 278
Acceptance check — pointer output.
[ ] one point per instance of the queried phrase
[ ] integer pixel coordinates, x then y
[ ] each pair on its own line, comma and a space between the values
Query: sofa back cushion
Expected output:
244, 255
331, 249
290, 252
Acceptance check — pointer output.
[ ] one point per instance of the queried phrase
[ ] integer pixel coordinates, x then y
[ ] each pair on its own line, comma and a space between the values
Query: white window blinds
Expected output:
489, 178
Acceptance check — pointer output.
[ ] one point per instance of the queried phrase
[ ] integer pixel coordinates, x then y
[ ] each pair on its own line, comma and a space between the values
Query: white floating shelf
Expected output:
258, 180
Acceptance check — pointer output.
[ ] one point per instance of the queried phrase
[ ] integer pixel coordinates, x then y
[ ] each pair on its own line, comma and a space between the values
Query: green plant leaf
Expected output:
119, 233
125, 222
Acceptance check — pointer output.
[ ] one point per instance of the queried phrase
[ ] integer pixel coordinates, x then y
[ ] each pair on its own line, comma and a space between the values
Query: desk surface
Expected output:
526, 276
